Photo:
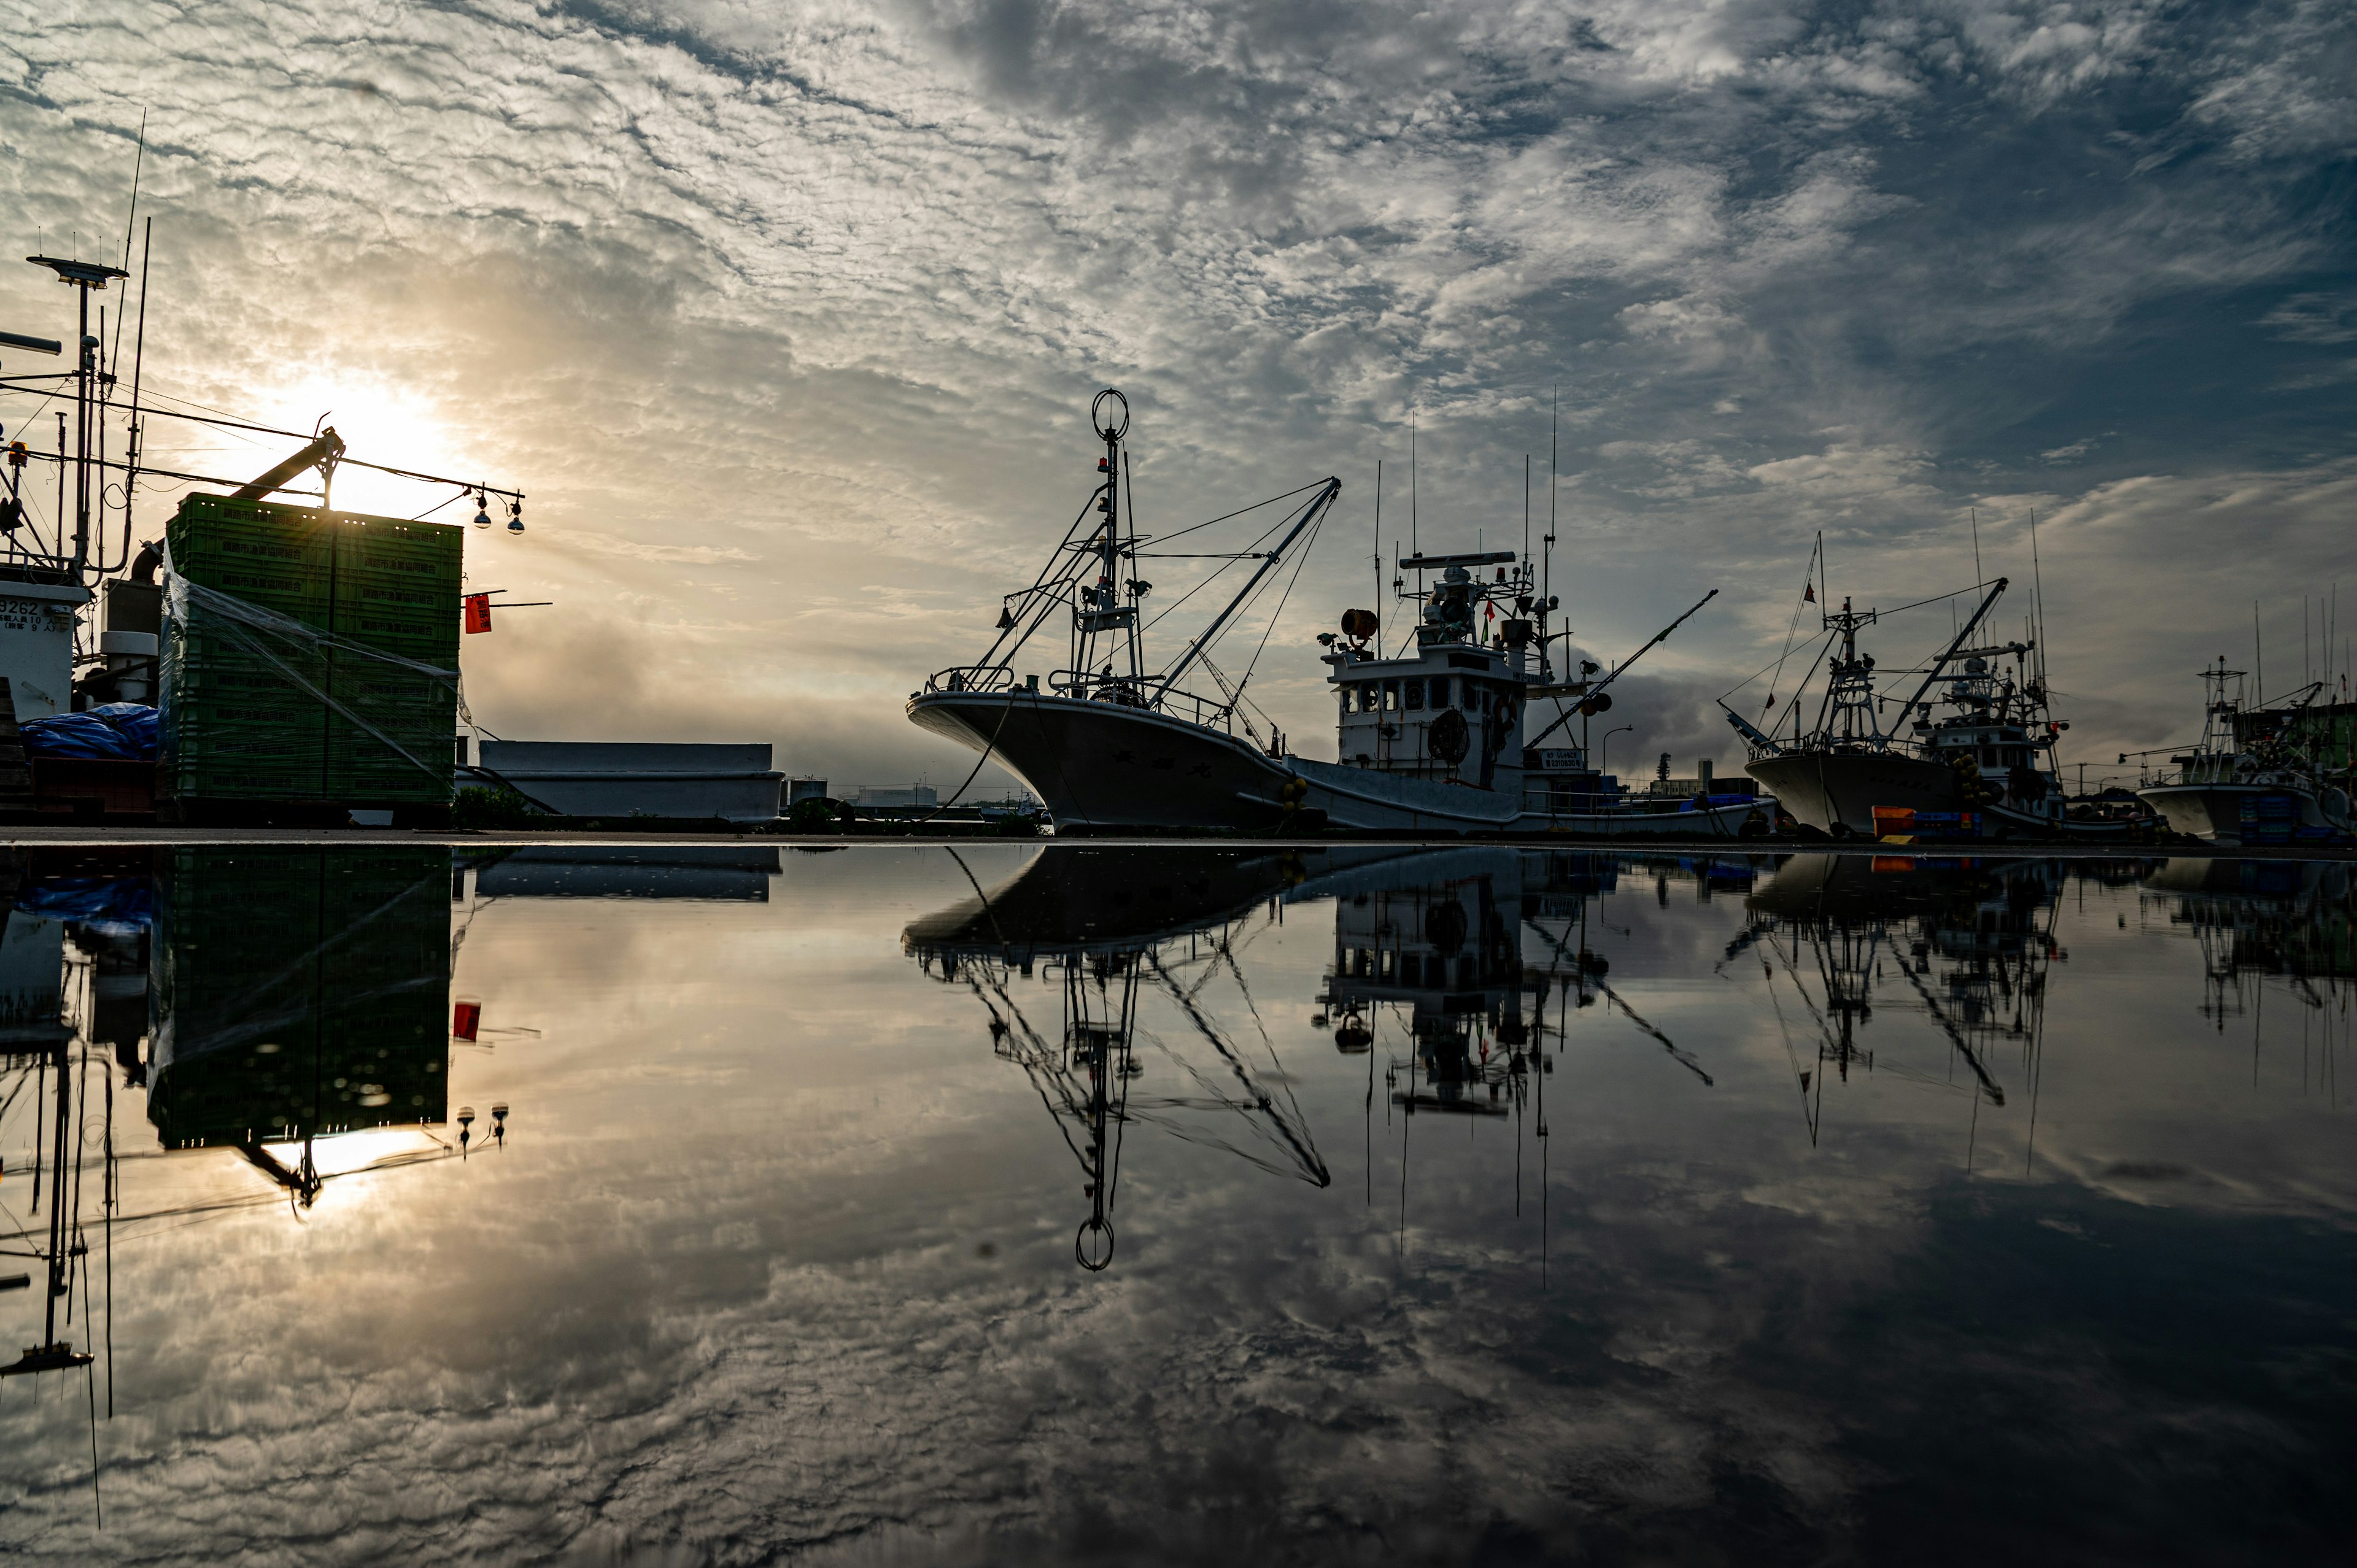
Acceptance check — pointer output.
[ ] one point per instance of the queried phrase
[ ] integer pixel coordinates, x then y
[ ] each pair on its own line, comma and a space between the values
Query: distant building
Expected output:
2327, 732
624, 778
913, 797
804, 787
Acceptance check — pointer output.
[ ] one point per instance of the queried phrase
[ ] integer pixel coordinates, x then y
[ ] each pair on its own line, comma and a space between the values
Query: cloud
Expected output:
2314, 318
637, 550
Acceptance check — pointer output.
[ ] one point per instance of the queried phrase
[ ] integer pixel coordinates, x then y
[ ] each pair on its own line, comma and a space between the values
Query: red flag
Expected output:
479, 612
465, 1019
1808, 593
1771, 701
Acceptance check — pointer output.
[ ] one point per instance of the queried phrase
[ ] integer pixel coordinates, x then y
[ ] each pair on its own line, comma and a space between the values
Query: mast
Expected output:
1850, 685
1100, 611
1546, 552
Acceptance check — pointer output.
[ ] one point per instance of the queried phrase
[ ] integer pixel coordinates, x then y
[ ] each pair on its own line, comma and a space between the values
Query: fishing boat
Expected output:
1431, 738
2250, 780
1107, 742
1985, 768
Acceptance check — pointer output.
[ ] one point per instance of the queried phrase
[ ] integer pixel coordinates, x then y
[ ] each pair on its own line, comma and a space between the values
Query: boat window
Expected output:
1384, 959
1410, 969
1390, 696
1440, 691
1414, 694
1370, 698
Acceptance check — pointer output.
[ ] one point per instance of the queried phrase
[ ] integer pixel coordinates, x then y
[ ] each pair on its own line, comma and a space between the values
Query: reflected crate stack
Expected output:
329, 1014
239, 721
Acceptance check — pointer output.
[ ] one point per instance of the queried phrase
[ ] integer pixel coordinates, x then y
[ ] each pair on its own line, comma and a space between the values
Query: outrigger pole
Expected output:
1328, 490
1942, 662
1589, 695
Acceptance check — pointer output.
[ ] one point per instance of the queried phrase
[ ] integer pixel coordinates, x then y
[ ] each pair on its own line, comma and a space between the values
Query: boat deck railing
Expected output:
971, 678
1088, 686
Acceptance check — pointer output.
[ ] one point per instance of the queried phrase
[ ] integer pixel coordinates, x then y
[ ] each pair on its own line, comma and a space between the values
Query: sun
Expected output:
380, 423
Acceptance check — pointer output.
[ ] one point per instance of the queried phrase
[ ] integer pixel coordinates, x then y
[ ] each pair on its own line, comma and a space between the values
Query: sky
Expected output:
786, 317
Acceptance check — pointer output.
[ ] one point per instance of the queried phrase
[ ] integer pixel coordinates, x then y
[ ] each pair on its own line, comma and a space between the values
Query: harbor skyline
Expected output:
787, 322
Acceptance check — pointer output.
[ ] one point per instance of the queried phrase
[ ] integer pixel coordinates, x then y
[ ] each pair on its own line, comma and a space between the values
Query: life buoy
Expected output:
1448, 737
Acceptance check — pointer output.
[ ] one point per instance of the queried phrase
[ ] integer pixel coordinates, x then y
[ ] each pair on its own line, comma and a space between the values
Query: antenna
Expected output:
2258, 654
1526, 506
1379, 557
2038, 596
1974, 512
1546, 564
1412, 547
131, 456
138, 159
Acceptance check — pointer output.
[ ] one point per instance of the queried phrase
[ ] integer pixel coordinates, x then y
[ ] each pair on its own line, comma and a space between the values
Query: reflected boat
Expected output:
1966, 943
1116, 931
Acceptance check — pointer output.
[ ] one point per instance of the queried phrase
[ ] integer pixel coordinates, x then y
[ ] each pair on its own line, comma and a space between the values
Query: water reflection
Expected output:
1074, 1202
1460, 974
1098, 926
266, 1002
2293, 920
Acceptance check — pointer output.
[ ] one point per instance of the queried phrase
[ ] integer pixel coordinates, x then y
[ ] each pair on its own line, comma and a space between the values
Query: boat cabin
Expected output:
1993, 737
1449, 708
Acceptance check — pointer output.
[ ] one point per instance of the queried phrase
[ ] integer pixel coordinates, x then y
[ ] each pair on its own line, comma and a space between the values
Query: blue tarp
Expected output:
126, 902
115, 732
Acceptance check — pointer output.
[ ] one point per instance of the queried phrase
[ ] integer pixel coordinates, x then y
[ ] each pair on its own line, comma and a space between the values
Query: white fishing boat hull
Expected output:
1102, 767
1835, 792
1106, 767
1658, 820
2215, 812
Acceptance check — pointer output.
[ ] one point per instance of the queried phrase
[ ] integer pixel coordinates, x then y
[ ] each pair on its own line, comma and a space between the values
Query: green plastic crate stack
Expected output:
235, 726
238, 723
298, 991
396, 588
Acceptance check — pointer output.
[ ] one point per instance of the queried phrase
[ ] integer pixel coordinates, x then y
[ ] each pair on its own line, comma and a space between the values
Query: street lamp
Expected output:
1606, 760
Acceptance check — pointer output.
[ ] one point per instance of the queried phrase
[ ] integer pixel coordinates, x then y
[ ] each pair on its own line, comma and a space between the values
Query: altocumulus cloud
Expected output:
783, 301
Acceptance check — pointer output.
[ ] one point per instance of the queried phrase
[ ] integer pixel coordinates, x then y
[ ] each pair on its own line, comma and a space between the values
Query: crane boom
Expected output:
324, 453
1618, 669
